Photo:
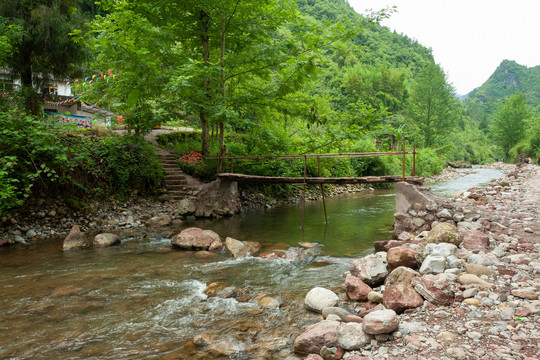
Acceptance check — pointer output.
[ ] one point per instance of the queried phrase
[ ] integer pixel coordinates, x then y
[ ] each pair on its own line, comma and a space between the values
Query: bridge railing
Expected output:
221, 160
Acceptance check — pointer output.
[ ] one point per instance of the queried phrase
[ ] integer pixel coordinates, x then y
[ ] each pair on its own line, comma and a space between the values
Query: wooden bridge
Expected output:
309, 180
319, 180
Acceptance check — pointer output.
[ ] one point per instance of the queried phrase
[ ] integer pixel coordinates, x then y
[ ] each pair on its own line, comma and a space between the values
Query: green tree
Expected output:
43, 46
510, 122
220, 59
432, 106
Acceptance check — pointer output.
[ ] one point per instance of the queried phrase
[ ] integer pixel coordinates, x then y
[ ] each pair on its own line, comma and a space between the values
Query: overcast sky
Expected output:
469, 38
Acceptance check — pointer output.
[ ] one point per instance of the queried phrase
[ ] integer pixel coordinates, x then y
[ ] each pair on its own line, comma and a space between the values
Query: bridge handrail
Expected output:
310, 156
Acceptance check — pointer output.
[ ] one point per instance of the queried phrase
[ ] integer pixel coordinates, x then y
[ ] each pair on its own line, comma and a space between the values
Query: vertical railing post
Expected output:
304, 193
413, 160
403, 161
231, 160
217, 163
322, 190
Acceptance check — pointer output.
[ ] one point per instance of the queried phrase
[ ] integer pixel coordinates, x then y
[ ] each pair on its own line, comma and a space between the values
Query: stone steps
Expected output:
175, 181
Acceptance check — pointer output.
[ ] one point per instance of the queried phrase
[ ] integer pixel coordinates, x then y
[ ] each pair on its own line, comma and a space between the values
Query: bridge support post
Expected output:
304, 192
403, 161
322, 191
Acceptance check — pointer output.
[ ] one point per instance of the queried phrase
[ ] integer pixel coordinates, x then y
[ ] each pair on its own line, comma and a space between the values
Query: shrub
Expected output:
37, 155
130, 163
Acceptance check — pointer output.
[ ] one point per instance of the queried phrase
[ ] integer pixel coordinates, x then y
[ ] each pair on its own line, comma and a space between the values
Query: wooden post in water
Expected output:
304, 194
322, 191
413, 160
217, 163
403, 161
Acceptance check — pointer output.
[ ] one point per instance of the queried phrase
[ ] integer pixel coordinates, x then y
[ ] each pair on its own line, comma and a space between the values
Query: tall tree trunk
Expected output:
205, 133
223, 91
32, 102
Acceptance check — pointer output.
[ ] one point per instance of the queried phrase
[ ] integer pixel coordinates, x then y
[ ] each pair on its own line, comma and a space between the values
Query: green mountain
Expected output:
509, 78
379, 43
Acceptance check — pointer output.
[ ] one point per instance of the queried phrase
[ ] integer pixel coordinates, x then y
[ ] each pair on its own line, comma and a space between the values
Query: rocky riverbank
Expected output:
460, 282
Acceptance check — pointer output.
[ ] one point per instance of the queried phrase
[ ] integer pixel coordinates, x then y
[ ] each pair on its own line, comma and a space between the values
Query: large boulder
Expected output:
319, 298
475, 241
400, 274
186, 207
371, 269
197, 239
444, 232
106, 239
356, 289
76, 240
437, 289
241, 249
312, 340
401, 296
380, 322
401, 256
351, 336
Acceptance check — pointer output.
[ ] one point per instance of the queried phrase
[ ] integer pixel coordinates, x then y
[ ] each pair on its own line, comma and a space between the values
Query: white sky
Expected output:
469, 38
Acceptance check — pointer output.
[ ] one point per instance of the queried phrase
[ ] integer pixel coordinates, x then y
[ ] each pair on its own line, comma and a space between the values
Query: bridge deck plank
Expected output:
318, 180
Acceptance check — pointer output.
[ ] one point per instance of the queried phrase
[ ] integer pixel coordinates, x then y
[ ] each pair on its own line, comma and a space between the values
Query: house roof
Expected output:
92, 109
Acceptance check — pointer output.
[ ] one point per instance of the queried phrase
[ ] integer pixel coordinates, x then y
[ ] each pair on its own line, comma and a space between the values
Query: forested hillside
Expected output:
507, 108
509, 78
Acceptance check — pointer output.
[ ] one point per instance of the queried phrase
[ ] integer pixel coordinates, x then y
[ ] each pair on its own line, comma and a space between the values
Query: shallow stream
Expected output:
144, 300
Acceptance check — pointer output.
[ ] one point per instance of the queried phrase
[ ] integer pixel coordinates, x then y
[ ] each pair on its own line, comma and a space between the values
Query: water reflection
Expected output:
354, 222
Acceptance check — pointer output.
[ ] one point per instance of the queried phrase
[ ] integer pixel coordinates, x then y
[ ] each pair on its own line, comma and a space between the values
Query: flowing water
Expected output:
478, 177
144, 300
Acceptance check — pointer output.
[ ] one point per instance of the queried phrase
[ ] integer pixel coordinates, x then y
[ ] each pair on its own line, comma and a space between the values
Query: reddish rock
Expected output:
339, 353
380, 245
475, 241
270, 255
3, 242
357, 290
401, 256
400, 274
75, 240
525, 247
197, 239
215, 289
437, 289
394, 243
507, 271
459, 310
313, 357
400, 297
523, 312
316, 336
371, 309
353, 318
357, 357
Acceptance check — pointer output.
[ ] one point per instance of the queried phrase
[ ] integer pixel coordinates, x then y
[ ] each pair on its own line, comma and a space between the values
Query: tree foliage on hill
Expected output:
508, 79
42, 46
220, 60
432, 107
510, 122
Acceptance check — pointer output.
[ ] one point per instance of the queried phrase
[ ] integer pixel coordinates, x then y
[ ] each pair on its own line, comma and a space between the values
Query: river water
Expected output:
144, 300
